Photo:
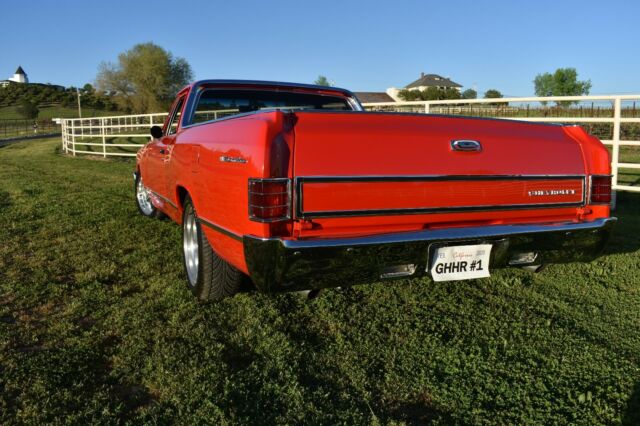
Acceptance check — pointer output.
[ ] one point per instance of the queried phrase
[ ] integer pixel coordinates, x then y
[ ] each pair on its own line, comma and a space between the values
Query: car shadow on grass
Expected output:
625, 237
632, 414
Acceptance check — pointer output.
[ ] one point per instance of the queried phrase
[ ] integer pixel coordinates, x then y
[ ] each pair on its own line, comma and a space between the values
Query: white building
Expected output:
18, 77
424, 82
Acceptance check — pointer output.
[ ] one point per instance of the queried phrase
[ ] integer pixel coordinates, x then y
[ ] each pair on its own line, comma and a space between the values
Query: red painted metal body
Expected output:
376, 173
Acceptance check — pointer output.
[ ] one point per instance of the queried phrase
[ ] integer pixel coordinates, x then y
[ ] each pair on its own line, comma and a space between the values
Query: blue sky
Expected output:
363, 46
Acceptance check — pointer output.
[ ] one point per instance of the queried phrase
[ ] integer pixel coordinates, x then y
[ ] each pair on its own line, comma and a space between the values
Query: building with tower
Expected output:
18, 77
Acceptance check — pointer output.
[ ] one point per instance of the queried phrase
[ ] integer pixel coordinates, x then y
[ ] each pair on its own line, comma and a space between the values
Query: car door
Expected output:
159, 152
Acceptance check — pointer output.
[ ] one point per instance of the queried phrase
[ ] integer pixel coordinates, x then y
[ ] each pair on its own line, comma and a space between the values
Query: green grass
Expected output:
97, 326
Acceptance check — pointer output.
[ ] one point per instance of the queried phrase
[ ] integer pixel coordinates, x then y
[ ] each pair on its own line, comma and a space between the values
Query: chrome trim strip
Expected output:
400, 178
165, 199
446, 234
299, 181
220, 229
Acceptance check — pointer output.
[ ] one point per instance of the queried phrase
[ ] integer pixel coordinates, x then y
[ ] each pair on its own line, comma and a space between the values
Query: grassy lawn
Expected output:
97, 325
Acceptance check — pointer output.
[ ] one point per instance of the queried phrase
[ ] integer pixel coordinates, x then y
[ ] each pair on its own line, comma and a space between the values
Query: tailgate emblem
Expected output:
465, 145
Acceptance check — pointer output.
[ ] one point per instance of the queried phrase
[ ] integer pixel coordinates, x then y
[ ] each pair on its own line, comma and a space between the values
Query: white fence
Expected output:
614, 119
121, 131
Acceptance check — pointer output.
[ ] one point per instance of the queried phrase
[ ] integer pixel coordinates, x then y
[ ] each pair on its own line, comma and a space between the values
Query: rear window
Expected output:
215, 103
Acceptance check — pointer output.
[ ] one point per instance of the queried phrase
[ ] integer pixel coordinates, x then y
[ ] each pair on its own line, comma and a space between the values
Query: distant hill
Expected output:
55, 101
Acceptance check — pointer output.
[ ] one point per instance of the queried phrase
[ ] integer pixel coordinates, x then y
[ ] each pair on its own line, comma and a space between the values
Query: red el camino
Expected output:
299, 188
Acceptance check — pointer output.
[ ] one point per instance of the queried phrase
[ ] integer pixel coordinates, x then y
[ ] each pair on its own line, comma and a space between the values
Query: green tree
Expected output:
322, 81
492, 94
563, 82
28, 109
68, 101
469, 94
145, 79
410, 95
429, 94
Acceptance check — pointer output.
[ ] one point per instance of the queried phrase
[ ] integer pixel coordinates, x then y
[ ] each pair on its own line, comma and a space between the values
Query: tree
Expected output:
469, 94
492, 94
322, 81
429, 94
410, 95
145, 79
28, 109
563, 82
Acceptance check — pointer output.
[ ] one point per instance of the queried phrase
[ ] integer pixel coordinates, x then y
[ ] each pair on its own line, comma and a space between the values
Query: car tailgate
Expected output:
381, 165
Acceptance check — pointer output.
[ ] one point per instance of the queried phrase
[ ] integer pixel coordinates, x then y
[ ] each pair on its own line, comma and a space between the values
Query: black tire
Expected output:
215, 278
148, 210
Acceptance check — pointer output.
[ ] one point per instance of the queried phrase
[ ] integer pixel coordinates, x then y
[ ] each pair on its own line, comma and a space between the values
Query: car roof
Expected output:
271, 83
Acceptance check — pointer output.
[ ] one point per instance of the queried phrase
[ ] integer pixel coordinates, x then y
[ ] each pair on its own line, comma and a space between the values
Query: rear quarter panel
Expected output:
219, 189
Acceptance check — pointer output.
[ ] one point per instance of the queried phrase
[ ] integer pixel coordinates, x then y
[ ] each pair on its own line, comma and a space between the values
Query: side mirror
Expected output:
156, 132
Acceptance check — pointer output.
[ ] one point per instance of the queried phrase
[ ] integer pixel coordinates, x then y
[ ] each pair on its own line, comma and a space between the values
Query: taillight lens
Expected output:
269, 199
601, 189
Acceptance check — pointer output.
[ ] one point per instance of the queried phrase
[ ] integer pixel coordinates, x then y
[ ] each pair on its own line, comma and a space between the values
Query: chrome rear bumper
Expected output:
286, 265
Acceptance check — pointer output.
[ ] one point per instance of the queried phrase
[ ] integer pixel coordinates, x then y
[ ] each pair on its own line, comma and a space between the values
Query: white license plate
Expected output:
461, 262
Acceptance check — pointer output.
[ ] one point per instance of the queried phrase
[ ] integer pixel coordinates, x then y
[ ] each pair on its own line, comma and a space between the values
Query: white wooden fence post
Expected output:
426, 108
73, 137
65, 136
64, 148
615, 156
104, 138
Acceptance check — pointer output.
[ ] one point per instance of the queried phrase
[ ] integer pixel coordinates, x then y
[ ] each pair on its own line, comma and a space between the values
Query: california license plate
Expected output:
461, 262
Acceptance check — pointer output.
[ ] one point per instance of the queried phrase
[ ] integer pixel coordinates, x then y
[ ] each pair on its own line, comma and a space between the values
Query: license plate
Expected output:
461, 262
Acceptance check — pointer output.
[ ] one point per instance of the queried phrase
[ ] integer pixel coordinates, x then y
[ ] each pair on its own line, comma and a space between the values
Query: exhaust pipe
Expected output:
533, 268
310, 294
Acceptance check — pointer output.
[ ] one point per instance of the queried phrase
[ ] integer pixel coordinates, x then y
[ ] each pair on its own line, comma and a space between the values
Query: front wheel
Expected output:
143, 199
209, 277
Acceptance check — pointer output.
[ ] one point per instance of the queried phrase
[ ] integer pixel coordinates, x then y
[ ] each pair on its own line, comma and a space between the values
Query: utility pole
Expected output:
79, 107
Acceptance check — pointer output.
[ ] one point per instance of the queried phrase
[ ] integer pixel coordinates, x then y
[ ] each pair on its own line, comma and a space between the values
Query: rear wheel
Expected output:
143, 199
209, 277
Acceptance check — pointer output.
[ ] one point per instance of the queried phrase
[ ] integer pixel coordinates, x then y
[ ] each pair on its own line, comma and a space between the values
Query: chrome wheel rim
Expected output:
190, 245
144, 201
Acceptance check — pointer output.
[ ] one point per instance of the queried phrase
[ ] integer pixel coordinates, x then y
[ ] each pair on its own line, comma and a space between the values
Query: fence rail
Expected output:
614, 119
14, 128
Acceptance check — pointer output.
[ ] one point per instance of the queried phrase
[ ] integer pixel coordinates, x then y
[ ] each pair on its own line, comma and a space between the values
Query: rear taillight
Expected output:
600, 189
269, 199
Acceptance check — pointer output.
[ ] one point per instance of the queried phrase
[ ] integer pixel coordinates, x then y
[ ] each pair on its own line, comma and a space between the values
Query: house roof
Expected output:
366, 97
20, 71
432, 80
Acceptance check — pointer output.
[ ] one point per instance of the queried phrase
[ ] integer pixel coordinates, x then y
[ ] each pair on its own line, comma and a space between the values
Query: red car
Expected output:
299, 188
